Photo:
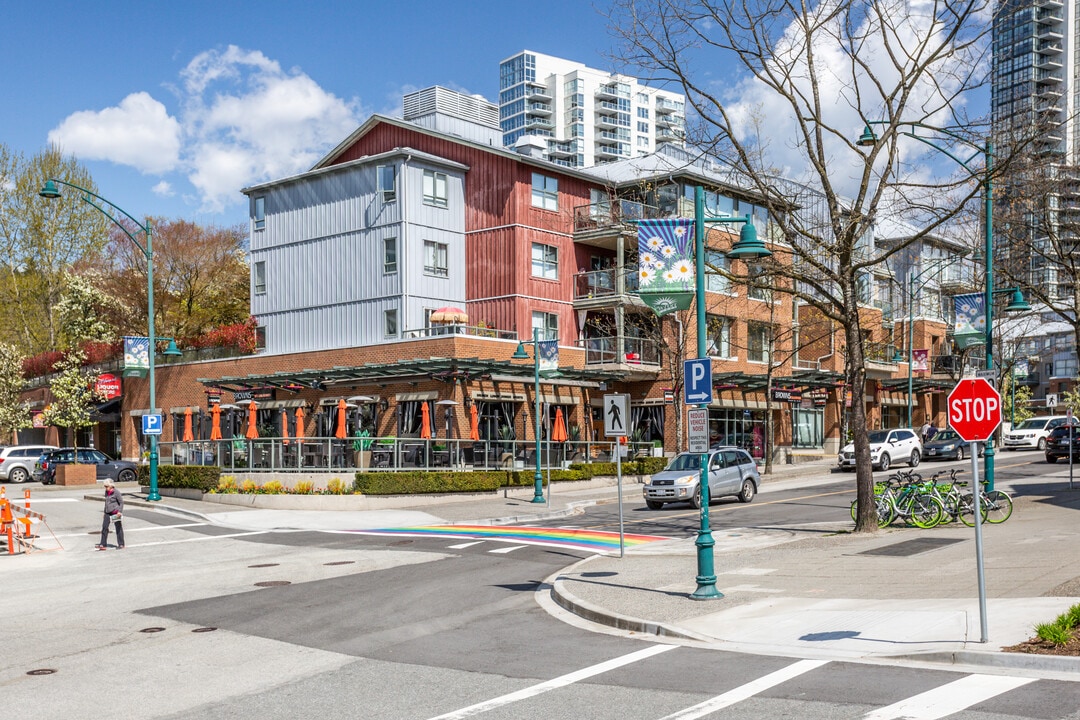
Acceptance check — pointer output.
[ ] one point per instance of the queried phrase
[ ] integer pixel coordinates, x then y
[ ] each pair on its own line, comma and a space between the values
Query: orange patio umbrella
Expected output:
188, 436
252, 431
299, 424
284, 426
558, 431
425, 421
339, 432
474, 423
215, 422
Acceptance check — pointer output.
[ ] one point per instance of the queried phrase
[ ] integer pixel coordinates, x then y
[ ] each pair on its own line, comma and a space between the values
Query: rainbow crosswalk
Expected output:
595, 540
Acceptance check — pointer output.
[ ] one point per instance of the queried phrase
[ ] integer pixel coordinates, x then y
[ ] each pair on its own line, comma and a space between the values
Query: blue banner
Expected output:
136, 353
548, 351
970, 310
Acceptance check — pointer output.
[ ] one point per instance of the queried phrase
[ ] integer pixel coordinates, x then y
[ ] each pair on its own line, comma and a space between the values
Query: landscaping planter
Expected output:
76, 474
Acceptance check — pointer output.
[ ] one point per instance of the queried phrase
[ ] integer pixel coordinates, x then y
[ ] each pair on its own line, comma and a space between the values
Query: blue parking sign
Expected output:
697, 382
151, 424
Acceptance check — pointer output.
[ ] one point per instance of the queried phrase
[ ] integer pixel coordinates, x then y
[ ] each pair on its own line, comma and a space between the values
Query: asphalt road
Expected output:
427, 627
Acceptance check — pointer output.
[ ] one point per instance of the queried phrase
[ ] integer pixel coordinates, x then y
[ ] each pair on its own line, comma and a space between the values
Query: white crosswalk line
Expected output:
949, 698
744, 692
503, 551
561, 681
462, 546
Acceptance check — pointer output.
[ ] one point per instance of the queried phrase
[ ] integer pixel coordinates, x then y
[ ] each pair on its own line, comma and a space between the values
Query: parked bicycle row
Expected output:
927, 503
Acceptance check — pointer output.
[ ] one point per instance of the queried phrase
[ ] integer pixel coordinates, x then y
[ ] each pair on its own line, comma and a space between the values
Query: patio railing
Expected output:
459, 329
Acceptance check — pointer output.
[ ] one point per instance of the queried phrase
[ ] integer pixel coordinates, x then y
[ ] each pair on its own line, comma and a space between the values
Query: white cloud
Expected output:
139, 132
164, 189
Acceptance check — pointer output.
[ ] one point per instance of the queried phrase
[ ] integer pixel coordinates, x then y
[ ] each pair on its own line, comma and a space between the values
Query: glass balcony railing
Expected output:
636, 351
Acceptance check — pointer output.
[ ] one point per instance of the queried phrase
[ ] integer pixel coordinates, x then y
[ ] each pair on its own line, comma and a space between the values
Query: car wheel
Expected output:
915, 458
126, 475
18, 475
748, 491
1042, 444
696, 500
1051, 459
885, 462
654, 504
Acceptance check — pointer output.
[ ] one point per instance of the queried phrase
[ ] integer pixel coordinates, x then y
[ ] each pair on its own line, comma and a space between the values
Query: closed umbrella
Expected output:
425, 421
299, 424
558, 431
474, 423
284, 426
188, 436
215, 422
252, 430
339, 431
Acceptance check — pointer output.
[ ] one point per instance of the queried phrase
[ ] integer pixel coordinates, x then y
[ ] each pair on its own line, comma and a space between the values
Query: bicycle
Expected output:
912, 500
958, 504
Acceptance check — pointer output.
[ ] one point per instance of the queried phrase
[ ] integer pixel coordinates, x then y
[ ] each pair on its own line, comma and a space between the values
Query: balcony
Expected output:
606, 121
668, 135
640, 357
603, 289
611, 90
617, 150
538, 108
665, 107
538, 123
562, 150
879, 360
955, 366
620, 214
672, 121
537, 92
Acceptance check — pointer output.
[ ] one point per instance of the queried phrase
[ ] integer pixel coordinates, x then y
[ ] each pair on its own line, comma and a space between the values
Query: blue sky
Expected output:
174, 106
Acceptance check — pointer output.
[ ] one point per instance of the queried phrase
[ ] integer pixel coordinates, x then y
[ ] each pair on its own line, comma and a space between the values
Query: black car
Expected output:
107, 468
1057, 443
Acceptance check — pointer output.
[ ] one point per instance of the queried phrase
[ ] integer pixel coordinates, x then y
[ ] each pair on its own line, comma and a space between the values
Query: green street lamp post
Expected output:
520, 354
747, 248
50, 191
985, 177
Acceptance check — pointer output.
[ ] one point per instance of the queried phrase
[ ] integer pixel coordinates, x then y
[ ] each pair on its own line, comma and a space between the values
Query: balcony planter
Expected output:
71, 474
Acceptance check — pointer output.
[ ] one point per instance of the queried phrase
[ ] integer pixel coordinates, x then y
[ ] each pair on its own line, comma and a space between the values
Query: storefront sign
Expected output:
107, 386
213, 396
819, 397
241, 395
669, 396
38, 420
788, 395
263, 393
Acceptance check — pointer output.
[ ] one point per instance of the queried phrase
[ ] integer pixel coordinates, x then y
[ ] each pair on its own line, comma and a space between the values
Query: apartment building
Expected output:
579, 116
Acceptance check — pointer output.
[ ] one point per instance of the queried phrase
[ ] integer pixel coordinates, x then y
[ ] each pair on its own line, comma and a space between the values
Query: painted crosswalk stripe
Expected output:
555, 683
744, 692
949, 698
462, 546
503, 551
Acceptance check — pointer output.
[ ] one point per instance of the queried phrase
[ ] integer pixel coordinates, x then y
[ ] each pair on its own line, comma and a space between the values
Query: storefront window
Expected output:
808, 428
742, 428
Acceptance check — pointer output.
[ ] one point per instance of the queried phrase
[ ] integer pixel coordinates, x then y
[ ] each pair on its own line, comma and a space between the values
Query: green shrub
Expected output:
640, 466
419, 482
1053, 633
274, 487
1073, 617
337, 486
226, 485
518, 478
199, 477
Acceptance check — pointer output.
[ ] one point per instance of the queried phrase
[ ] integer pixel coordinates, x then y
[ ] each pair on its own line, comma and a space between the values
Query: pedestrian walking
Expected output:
114, 515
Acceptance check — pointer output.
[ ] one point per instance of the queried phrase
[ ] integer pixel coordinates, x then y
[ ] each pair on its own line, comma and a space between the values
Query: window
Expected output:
642, 127
260, 277
434, 188
719, 340
545, 261
390, 328
716, 261
758, 340
545, 192
547, 324
760, 290
260, 213
260, 337
387, 182
643, 112
389, 256
435, 259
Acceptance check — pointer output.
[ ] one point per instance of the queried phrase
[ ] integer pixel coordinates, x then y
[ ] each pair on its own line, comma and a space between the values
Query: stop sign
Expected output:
974, 409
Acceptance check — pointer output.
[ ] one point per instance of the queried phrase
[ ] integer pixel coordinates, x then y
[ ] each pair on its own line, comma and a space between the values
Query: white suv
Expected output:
886, 447
17, 462
1032, 433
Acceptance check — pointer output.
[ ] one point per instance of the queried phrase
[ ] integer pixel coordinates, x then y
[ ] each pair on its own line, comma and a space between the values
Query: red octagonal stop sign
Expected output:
974, 409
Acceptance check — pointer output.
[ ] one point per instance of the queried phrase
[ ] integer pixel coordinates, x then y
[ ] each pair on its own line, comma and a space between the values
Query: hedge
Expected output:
640, 466
426, 482
200, 477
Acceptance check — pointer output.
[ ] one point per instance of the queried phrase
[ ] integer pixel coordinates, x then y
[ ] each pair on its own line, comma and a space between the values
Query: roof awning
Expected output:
757, 383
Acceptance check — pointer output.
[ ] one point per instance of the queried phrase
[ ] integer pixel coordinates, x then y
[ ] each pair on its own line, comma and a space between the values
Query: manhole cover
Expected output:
272, 583
340, 562
264, 565
152, 629
911, 547
41, 671
206, 629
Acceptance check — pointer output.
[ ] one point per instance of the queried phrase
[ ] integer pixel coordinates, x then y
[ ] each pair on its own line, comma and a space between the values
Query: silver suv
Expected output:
17, 461
731, 472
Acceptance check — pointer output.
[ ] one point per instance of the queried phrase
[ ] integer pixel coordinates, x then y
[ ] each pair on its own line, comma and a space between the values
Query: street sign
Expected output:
974, 409
697, 423
151, 424
991, 375
1051, 400
616, 415
697, 382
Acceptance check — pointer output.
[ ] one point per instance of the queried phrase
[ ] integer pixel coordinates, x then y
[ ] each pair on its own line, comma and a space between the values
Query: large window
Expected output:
716, 261
387, 182
435, 262
434, 188
547, 324
390, 324
389, 255
260, 337
259, 213
719, 340
545, 192
760, 289
758, 342
545, 261
260, 277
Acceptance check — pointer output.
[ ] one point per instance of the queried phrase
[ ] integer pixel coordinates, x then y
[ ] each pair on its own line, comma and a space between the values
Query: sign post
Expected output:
975, 413
616, 414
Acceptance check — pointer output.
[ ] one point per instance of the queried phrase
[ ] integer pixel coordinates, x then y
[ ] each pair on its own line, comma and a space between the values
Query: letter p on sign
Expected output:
974, 409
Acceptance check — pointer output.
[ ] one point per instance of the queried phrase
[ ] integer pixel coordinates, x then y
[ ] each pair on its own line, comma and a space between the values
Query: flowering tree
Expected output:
14, 412
74, 395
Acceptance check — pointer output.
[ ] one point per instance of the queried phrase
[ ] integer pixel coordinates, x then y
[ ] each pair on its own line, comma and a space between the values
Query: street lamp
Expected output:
748, 248
50, 191
520, 354
985, 177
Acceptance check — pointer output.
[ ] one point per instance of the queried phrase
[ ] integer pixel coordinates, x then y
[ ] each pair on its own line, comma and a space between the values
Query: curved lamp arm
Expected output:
103, 206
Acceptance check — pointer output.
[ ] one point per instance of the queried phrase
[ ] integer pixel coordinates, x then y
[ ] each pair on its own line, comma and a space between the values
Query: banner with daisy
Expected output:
666, 270
970, 320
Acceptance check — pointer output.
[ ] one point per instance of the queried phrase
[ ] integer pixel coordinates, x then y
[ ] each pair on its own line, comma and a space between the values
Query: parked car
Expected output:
731, 472
886, 447
947, 445
17, 461
1032, 433
107, 468
1057, 443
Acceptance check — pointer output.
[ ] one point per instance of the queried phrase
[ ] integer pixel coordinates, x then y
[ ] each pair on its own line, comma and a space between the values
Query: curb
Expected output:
135, 501
1006, 660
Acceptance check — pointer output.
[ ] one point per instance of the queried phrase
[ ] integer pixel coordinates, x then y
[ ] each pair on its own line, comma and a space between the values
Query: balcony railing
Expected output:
459, 329
636, 351
879, 352
602, 283
609, 214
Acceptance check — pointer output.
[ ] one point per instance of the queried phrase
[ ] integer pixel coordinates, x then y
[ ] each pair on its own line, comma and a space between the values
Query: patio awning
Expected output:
919, 385
757, 383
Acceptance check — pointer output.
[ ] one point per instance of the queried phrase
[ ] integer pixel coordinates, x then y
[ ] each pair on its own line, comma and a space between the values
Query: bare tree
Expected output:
821, 73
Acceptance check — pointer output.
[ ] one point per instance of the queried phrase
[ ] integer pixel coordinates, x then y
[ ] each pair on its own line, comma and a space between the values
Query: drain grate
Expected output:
205, 629
41, 671
340, 562
152, 630
908, 548
272, 583
264, 565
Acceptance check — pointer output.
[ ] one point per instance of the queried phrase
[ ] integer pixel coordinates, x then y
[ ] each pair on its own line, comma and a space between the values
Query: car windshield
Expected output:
685, 461
946, 435
1032, 424
878, 436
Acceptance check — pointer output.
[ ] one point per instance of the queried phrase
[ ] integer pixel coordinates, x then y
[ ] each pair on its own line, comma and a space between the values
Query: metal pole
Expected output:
1070, 456
975, 490
988, 455
538, 478
153, 494
911, 340
618, 477
706, 577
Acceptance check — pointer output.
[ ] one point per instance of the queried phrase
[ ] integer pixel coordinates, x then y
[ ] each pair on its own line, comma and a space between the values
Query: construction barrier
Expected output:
21, 531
